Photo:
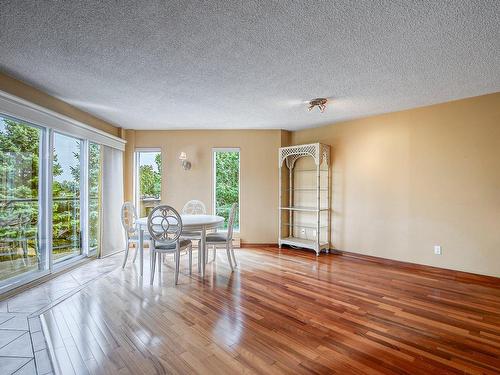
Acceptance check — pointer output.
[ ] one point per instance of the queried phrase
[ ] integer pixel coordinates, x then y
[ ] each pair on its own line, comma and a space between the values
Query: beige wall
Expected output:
22, 90
258, 162
128, 165
406, 181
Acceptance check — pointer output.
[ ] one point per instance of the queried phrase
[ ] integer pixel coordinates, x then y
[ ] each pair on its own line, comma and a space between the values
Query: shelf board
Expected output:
310, 170
307, 189
302, 242
305, 226
307, 209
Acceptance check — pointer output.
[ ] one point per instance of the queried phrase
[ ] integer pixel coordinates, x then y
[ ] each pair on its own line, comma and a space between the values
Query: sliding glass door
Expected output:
51, 173
20, 153
50, 200
66, 198
94, 201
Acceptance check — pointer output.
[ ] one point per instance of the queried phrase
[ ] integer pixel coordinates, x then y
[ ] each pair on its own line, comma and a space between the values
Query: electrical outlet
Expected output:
437, 249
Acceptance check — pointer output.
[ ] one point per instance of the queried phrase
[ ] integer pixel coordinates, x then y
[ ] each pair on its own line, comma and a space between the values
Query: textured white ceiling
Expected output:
247, 64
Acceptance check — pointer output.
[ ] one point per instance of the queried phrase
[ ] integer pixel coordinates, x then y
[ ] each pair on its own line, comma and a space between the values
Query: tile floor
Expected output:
23, 348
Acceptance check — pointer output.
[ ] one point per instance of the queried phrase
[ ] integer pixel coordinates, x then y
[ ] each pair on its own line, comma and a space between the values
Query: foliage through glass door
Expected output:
19, 198
66, 226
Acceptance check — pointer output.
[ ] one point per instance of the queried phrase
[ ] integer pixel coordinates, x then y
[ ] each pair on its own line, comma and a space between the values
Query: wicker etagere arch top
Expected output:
304, 217
318, 151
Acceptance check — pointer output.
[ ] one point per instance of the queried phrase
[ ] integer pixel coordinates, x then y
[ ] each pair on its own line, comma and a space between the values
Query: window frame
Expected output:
214, 182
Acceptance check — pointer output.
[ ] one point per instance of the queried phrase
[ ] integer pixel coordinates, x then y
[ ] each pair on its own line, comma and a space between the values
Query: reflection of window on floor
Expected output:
226, 172
19, 198
148, 166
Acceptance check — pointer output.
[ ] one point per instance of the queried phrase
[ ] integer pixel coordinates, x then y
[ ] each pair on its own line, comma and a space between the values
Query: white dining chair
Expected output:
225, 239
194, 207
129, 223
165, 228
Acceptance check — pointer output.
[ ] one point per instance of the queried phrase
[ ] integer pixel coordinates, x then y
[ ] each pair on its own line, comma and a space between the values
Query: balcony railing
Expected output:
19, 236
19, 252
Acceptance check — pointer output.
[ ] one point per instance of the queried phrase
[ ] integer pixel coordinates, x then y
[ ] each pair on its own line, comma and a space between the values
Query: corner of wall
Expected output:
286, 138
128, 163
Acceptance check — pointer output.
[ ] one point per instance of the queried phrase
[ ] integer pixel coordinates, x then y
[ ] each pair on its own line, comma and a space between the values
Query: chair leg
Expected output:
190, 259
199, 256
126, 254
136, 246
177, 264
228, 251
215, 252
153, 264
160, 257
232, 252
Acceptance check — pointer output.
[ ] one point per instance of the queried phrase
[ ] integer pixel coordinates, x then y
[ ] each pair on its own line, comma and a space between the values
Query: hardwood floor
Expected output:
279, 312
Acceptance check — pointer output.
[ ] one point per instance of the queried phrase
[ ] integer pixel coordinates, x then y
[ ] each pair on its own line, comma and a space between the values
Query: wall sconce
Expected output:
186, 164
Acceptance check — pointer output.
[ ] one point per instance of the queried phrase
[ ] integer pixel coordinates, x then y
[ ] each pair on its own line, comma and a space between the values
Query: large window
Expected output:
20, 154
148, 166
226, 171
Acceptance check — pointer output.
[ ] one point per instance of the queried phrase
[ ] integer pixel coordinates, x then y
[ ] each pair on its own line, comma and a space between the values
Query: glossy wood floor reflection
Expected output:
280, 312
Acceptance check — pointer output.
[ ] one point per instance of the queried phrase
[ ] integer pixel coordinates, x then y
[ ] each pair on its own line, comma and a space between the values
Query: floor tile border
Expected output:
37, 324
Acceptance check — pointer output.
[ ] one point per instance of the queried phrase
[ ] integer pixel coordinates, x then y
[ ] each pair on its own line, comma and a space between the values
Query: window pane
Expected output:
149, 181
94, 197
19, 198
66, 241
227, 184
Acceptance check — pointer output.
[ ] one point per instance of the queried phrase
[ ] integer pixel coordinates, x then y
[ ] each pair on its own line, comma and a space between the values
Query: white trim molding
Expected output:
25, 110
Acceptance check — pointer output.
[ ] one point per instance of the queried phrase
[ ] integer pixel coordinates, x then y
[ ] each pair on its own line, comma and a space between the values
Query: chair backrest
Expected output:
194, 207
129, 217
230, 222
164, 224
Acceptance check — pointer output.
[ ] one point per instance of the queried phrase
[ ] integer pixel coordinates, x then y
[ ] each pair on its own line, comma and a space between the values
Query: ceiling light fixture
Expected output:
318, 102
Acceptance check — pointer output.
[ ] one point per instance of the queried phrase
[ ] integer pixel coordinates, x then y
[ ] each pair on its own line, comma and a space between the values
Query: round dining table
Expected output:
190, 223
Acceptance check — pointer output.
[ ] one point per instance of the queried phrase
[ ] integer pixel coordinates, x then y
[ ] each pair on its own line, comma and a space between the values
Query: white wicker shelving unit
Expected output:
304, 196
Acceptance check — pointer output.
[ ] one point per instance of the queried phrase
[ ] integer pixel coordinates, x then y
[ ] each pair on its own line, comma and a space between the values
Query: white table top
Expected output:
192, 222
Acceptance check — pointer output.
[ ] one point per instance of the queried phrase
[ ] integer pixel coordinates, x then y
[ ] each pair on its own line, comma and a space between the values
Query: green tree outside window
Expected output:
227, 184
